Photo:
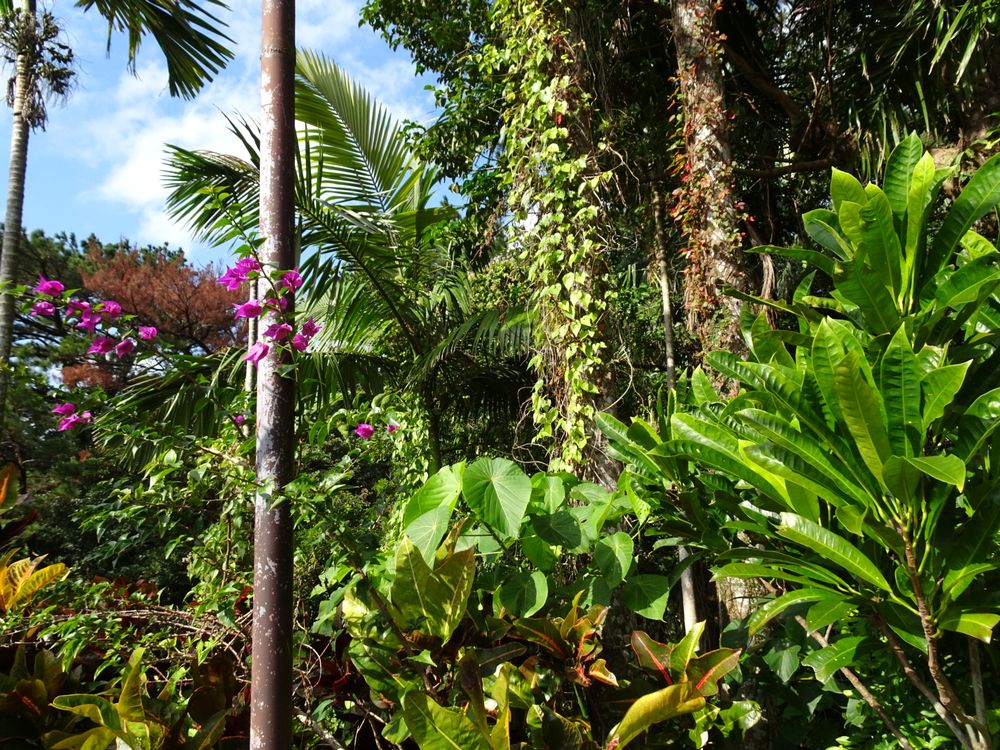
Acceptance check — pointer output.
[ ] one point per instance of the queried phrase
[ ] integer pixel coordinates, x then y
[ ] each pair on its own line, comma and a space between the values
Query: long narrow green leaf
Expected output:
899, 172
899, 381
832, 547
980, 195
862, 410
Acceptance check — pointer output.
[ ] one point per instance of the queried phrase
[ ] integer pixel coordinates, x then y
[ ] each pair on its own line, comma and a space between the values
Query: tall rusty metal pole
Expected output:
271, 671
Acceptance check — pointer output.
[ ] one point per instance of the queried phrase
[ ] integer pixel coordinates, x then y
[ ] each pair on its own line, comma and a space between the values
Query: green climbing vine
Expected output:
553, 177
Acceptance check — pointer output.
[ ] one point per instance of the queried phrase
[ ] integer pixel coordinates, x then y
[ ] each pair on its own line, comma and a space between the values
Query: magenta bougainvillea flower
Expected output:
391, 428
43, 307
257, 352
281, 303
64, 410
89, 321
73, 307
278, 331
364, 431
101, 345
147, 333
239, 273
247, 265
125, 346
49, 287
71, 421
239, 419
110, 309
310, 328
299, 342
291, 279
249, 309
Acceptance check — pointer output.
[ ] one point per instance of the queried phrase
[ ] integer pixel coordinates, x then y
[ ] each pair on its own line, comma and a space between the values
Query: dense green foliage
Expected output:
508, 452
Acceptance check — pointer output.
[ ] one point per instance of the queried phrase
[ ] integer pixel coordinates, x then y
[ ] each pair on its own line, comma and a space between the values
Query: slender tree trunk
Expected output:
689, 601
19, 133
271, 670
707, 210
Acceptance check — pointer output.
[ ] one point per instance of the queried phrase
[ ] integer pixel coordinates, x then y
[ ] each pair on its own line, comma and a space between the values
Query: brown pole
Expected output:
271, 670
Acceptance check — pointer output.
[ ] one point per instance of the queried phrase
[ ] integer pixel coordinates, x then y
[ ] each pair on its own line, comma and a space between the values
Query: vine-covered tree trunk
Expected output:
555, 177
19, 133
706, 208
271, 673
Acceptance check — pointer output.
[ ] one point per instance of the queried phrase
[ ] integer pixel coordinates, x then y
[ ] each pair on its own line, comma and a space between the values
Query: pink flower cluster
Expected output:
70, 417
281, 333
86, 317
365, 431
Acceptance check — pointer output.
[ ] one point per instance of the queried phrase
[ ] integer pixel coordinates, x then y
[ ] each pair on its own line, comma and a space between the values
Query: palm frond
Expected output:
186, 31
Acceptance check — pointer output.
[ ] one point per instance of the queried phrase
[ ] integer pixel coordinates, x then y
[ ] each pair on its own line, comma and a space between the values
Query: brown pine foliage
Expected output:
192, 312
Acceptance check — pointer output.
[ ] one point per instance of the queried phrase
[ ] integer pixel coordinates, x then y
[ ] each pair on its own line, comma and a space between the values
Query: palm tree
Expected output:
394, 300
190, 39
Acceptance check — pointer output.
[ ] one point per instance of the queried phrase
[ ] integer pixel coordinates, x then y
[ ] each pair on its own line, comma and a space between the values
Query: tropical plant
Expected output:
485, 642
857, 451
393, 298
192, 43
21, 580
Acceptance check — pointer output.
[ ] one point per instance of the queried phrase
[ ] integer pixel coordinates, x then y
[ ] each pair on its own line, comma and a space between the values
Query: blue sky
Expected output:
96, 168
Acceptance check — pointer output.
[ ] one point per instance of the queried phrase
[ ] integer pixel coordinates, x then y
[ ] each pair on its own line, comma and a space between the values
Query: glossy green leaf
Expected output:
845, 187
881, 241
899, 381
435, 727
957, 580
684, 651
819, 225
772, 608
666, 703
862, 411
499, 492
899, 172
924, 185
441, 490
831, 547
826, 661
979, 625
613, 557
944, 468
547, 493
823, 262
968, 282
647, 595
979, 196
523, 594
827, 612
863, 288
940, 386
540, 553
427, 530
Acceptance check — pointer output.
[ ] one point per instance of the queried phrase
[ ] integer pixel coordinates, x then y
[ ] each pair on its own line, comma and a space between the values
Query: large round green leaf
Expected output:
523, 594
498, 492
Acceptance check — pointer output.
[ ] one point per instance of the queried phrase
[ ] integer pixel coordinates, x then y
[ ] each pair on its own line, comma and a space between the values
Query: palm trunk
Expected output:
19, 132
271, 671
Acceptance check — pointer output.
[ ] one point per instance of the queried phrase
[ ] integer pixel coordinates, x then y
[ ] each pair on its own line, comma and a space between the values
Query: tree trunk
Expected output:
19, 133
271, 670
707, 207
